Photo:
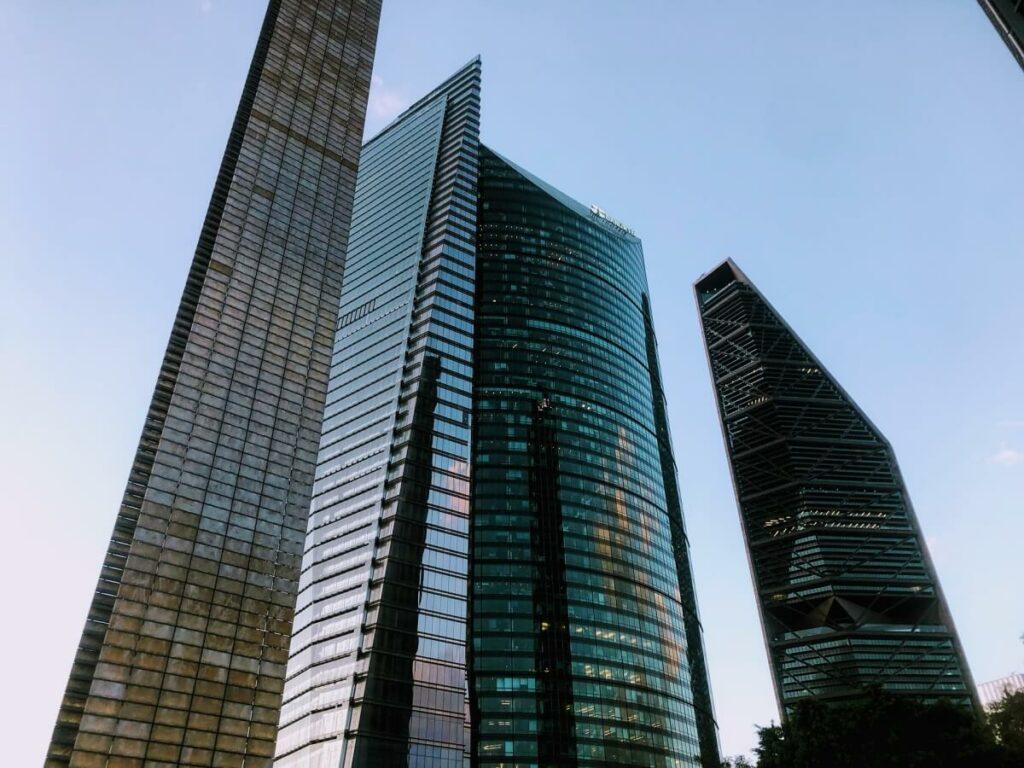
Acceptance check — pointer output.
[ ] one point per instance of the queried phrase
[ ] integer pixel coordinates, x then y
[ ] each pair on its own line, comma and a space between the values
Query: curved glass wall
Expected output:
579, 643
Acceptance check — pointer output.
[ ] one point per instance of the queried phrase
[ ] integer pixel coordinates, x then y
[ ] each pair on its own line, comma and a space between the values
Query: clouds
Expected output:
385, 101
1007, 457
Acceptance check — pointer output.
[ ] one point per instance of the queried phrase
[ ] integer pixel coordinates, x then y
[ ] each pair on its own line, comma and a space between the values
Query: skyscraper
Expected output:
377, 668
183, 654
1008, 18
587, 648
848, 596
538, 610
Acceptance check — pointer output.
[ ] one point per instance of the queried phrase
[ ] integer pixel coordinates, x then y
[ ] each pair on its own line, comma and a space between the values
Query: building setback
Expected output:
848, 596
376, 674
1008, 18
542, 612
183, 654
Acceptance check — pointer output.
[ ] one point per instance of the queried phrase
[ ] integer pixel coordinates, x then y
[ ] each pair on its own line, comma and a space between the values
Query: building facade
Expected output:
587, 649
848, 596
992, 692
1007, 17
496, 570
183, 654
376, 674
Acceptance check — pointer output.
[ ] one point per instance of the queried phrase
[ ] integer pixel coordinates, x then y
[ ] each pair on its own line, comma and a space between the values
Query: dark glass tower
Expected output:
849, 598
1008, 18
183, 654
571, 555
586, 648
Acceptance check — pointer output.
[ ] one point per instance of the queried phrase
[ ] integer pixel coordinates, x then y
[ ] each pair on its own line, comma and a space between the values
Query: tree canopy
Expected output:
1007, 721
886, 731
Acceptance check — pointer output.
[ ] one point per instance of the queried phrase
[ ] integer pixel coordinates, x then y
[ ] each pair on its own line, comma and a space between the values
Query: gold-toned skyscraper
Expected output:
183, 655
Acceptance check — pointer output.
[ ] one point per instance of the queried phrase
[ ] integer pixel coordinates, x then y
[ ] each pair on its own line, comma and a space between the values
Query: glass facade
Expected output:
376, 674
182, 659
584, 629
849, 598
543, 381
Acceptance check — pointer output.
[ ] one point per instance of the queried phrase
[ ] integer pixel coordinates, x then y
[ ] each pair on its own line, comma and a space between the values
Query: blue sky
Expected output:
860, 161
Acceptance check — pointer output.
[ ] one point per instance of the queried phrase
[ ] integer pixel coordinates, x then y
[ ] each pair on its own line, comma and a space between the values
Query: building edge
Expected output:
87, 653
729, 267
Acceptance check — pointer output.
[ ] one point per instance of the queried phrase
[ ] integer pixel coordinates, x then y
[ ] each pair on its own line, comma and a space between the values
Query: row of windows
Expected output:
558, 299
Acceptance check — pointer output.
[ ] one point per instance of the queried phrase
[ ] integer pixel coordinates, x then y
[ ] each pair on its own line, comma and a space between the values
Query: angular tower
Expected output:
183, 654
848, 596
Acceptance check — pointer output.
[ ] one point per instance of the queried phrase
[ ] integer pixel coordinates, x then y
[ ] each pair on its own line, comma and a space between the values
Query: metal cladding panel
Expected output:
849, 599
183, 654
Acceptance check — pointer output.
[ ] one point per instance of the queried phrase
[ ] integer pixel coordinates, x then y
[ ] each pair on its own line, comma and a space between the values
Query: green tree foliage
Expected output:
882, 731
1007, 721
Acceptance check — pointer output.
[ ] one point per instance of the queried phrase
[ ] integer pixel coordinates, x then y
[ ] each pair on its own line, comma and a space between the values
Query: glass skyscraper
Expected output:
849, 598
496, 570
586, 649
183, 654
377, 668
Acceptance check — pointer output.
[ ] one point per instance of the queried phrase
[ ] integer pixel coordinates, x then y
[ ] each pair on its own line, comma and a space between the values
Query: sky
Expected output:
861, 162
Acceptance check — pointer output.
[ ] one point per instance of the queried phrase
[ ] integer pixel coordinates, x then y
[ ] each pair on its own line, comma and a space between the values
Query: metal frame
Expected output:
847, 592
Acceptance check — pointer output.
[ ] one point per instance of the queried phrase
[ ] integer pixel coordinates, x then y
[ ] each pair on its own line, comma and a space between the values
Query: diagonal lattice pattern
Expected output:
848, 597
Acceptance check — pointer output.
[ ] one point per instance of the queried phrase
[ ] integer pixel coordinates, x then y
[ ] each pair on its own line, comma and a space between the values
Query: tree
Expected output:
1007, 721
881, 731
